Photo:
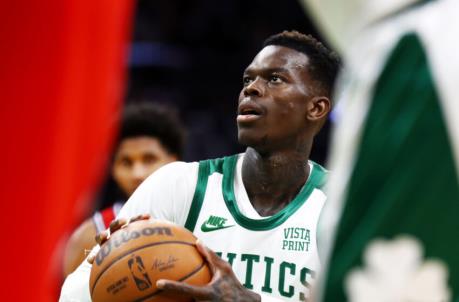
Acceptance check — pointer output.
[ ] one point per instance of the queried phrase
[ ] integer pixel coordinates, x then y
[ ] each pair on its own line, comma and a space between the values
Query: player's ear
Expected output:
318, 108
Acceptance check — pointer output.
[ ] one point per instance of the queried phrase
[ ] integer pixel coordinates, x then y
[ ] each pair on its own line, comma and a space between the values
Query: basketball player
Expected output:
257, 210
150, 137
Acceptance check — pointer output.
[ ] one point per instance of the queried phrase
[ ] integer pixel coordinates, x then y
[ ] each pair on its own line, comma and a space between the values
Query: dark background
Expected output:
191, 55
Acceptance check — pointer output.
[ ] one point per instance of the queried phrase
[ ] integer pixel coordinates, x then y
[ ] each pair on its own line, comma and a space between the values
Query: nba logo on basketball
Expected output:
139, 273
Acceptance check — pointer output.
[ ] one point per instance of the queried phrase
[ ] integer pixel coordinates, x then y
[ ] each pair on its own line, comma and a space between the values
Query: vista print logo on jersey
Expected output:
214, 223
296, 239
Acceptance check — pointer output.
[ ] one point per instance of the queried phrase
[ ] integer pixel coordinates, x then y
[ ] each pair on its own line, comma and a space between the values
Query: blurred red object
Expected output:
61, 84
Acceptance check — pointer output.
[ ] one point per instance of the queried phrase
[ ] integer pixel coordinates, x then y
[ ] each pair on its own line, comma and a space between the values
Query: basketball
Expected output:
131, 261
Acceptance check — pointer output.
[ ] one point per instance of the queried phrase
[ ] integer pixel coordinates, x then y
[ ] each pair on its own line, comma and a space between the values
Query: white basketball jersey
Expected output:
276, 255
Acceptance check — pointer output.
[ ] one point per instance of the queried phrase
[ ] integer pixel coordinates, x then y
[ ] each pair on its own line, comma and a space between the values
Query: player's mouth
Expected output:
248, 112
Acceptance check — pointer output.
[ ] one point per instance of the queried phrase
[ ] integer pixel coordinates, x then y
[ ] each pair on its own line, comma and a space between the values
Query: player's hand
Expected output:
115, 225
223, 287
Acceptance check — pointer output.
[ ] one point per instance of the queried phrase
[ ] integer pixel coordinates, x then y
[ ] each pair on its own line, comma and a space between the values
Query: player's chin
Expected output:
250, 138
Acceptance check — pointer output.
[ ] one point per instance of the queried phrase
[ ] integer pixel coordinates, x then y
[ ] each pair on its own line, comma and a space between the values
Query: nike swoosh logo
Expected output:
210, 228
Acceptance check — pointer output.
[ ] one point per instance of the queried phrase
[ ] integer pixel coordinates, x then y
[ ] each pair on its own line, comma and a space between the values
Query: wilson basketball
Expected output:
128, 265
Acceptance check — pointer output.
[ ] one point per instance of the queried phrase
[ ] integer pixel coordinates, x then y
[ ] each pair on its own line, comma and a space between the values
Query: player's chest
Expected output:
278, 258
224, 227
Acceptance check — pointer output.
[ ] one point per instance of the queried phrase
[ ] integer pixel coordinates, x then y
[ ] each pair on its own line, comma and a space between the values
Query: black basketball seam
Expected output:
158, 291
130, 251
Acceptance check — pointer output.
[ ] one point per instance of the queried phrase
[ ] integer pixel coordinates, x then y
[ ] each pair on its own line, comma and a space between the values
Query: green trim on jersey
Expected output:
198, 197
206, 168
404, 179
227, 167
316, 180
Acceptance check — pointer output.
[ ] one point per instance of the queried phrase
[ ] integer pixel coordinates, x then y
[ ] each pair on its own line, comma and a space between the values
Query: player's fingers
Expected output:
91, 255
91, 258
140, 217
181, 288
212, 259
101, 237
117, 224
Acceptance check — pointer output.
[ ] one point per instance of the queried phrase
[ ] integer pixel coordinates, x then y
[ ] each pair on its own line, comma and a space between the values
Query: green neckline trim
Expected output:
316, 180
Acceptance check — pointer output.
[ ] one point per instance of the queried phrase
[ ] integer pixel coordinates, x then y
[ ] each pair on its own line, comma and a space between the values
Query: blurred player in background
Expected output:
151, 136
394, 194
259, 209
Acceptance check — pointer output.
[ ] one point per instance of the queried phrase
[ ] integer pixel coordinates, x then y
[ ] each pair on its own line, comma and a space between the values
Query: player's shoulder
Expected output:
177, 169
179, 166
186, 173
174, 182
173, 176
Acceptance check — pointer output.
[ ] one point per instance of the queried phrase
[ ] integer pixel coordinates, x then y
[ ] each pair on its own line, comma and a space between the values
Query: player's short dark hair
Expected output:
324, 63
154, 120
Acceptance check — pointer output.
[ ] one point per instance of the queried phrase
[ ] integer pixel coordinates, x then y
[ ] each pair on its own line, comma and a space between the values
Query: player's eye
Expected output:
246, 80
149, 159
125, 162
275, 79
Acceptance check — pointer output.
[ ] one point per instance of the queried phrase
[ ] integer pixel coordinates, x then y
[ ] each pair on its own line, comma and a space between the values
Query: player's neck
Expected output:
273, 180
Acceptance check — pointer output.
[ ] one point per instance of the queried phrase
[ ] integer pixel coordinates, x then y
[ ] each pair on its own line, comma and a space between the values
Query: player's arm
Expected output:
76, 285
79, 245
166, 194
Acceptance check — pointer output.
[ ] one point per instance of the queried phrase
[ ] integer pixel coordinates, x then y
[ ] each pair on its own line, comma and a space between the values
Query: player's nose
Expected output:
139, 172
255, 88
